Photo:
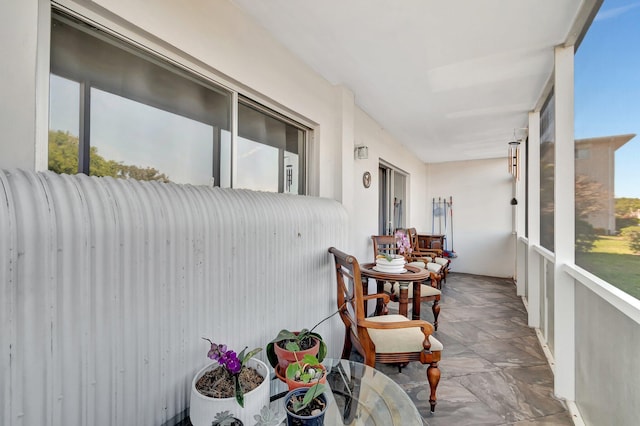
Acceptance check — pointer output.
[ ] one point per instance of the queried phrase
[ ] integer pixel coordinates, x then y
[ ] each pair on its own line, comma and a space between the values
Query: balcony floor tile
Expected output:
493, 369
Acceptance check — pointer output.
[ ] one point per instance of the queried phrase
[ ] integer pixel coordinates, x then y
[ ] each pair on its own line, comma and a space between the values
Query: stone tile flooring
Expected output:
493, 369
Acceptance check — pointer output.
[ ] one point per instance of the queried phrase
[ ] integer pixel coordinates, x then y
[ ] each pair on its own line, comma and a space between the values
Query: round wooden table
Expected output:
413, 275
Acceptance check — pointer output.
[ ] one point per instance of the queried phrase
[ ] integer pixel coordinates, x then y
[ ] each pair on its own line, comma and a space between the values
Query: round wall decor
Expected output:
366, 179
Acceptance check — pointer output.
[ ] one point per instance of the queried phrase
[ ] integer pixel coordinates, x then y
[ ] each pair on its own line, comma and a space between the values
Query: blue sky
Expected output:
607, 87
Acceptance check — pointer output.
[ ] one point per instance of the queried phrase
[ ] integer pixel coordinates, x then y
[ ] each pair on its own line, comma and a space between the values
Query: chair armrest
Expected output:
425, 326
427, 252
417, 257
384, 296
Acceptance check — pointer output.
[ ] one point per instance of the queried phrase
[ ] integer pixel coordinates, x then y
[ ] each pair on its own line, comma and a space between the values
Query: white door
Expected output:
392, 199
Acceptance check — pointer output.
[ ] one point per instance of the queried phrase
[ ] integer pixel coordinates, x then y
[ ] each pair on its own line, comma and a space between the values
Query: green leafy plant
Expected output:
298, 404
305, 370
296, 342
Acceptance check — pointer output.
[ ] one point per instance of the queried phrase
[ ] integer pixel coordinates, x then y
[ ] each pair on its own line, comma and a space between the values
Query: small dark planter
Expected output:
294, 419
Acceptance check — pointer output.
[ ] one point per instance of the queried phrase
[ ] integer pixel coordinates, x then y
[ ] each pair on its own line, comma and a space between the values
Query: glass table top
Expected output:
358, 395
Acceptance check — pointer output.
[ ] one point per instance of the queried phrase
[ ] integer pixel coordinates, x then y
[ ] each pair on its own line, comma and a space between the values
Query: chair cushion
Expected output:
434, 267
417, 264
425, 290
441, 261
399, 339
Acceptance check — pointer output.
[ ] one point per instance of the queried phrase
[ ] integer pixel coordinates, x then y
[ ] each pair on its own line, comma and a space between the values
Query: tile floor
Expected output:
493, 369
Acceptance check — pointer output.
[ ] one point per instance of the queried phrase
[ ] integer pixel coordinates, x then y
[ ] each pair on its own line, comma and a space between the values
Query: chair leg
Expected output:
436, 280
346, 347
433, 376
436, 311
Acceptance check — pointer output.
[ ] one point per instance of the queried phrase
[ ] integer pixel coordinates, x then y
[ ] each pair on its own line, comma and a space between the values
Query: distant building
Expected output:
595, 159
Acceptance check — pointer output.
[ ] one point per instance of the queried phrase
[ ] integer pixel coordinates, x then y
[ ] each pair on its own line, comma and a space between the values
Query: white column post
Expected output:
346, 101
564, 220
534, 279
520, 196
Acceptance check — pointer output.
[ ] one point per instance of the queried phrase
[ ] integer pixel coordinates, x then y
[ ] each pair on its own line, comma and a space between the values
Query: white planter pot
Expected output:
395, 265
203, 409
396, 260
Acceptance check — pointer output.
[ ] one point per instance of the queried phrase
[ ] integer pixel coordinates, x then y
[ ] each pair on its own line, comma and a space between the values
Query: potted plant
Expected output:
280, 351
233, 383
267, 417
225, 418
305, 372
306, 406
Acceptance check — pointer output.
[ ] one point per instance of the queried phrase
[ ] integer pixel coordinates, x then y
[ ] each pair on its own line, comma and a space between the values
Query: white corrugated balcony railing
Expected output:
107, 286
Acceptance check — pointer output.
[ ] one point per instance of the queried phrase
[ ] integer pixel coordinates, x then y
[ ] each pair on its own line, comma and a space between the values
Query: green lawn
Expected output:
611, 244
612, 261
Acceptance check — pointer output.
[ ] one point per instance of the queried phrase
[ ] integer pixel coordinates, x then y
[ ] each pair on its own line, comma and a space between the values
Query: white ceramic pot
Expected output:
396, 260
203, 409
395, 265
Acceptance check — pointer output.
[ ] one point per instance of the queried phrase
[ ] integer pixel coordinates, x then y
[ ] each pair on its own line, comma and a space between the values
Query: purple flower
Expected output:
403, 243
229, 360
233, 365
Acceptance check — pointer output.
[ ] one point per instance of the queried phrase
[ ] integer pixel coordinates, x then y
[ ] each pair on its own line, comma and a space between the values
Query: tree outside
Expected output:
63, 158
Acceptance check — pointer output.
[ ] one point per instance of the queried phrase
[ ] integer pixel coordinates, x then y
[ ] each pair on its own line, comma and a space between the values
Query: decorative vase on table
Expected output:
224, 383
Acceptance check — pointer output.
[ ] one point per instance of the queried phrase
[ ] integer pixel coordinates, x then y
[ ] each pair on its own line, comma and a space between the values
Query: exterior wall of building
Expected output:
595, 161
18, 84
222, 43
595, 167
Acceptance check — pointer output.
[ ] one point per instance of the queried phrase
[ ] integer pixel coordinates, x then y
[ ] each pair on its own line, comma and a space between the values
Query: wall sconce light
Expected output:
514, 158
361, 152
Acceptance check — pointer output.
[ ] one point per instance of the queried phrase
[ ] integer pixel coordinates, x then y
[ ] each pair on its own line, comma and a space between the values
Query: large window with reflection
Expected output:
118, 111
547, 172
607, 148
270, 151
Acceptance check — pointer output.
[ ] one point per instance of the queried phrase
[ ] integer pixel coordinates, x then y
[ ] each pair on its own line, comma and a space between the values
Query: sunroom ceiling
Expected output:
451, 80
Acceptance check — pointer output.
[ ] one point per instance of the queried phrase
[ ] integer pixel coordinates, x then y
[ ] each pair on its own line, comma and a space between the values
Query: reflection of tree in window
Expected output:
547, 206
588, 201
63, 158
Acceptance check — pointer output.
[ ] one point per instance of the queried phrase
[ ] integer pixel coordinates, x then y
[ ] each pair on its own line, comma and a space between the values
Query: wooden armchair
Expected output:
386, 244
430, 254
391, 339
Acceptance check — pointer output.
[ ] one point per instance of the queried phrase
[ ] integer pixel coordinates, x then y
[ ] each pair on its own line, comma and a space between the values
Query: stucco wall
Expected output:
481, 192
18, 83
382, 146
217, 38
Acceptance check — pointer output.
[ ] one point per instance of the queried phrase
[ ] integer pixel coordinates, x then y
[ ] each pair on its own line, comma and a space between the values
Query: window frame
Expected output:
131, 38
